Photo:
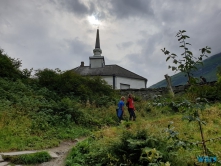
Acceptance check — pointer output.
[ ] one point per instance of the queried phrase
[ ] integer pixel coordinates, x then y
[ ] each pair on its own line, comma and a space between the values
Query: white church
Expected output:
116, 76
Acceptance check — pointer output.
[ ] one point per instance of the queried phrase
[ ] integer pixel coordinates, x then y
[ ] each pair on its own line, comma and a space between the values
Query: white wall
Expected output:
134, 83
108, 79
95, 63
124, 86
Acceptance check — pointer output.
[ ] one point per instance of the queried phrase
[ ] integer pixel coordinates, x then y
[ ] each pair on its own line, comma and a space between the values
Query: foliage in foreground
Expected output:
128, 149
33, 158
210, 92
188, 62
150, 140
34, 118
38, 112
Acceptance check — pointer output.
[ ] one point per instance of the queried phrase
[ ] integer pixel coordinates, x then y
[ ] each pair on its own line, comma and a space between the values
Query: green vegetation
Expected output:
208, 70
52, 106
33, 158
189, 65
188, 62
131, 144
164, 134
123, 147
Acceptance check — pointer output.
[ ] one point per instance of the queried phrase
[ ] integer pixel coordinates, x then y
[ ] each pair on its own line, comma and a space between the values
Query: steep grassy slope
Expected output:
208, 70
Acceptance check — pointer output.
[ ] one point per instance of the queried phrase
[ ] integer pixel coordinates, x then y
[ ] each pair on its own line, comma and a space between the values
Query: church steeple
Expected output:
97, 51
97, 60
97, 44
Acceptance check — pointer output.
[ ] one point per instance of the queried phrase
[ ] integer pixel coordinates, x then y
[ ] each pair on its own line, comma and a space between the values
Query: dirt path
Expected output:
62, 151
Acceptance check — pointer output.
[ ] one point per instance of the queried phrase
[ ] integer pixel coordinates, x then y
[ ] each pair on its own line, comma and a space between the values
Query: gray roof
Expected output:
107, 70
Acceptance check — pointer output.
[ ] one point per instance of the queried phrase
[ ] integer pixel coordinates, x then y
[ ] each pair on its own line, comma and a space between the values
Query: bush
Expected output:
9, 67
92, 89
211, 93
132, 149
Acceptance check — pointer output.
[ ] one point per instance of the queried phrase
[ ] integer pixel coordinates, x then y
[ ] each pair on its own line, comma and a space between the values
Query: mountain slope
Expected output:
208, 70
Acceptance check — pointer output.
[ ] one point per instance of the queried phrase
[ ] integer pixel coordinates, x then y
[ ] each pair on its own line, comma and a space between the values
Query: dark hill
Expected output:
208, 70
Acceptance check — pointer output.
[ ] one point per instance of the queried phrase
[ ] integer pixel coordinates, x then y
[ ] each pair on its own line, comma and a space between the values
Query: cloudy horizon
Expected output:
60, 34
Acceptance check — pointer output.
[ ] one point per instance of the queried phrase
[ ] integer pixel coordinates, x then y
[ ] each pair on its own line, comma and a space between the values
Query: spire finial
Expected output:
97, 44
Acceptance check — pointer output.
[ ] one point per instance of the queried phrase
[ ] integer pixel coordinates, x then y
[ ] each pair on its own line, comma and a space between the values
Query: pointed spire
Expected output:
97, 51
97, 44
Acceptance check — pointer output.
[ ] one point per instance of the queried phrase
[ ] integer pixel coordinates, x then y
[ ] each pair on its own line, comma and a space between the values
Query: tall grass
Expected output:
154, 121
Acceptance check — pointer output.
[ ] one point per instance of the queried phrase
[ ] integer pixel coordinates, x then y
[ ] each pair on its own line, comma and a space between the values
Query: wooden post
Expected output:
169, 85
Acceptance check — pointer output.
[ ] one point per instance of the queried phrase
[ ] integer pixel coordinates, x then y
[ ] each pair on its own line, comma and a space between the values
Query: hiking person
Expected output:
131, 108
120, 110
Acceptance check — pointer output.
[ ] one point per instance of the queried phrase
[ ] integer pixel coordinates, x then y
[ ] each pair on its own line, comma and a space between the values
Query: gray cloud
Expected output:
131, 8
75, 6
124, 45
122, 9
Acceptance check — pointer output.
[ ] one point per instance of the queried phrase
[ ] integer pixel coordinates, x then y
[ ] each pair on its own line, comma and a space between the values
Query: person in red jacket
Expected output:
131, 108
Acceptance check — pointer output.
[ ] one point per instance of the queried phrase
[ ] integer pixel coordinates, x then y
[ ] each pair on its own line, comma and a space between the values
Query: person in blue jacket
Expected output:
120, 110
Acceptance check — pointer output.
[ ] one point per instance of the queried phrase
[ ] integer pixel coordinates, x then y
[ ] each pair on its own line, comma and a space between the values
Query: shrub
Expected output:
132, 149
212, 93
9, 67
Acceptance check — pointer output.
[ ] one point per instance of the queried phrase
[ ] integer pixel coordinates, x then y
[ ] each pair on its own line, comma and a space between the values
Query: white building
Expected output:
116, 76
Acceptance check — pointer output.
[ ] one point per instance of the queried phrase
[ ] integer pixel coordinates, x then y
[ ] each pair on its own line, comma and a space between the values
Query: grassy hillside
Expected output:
208, 70
159, 137
41, 112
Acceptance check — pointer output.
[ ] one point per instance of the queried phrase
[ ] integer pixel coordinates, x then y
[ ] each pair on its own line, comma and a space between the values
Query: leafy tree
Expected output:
188, 62
92, 89
47, 78
9, 67
27, 73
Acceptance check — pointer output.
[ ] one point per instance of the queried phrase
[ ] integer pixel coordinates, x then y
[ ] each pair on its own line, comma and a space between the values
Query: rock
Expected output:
17, 153
76, 140
52, 154
1, 159
4, 163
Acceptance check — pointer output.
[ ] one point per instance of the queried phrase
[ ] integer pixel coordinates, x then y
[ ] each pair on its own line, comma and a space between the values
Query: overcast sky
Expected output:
61, 33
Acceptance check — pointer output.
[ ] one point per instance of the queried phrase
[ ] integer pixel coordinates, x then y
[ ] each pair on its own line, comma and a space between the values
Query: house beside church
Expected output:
116, 76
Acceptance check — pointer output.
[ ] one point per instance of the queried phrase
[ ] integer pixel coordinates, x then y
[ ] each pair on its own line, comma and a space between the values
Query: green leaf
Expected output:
203, 122
203, 50
167, 58
167, 52
173, 68
189, 52
175, 61
208, 51
180, 38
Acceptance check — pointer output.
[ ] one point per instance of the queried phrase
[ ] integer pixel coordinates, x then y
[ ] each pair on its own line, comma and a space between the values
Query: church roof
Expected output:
107, 70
